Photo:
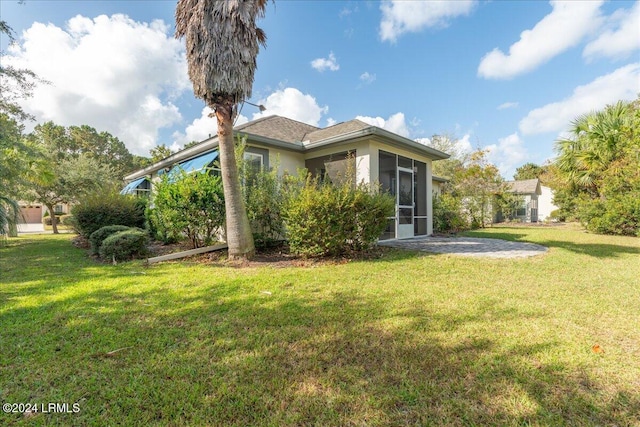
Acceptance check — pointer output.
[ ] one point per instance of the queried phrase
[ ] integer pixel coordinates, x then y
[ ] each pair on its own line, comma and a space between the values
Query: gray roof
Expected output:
277, 127
527, 186
294, 135
335, 130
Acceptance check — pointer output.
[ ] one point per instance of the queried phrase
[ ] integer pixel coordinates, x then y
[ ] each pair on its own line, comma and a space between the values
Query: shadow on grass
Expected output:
598, 250
228, 357
227, 354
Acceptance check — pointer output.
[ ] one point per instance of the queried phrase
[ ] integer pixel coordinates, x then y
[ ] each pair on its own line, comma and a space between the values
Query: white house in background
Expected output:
402, 166
438, 183
545, 203
529, 191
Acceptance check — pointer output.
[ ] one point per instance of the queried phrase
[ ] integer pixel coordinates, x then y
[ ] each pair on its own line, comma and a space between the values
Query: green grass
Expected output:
408, 339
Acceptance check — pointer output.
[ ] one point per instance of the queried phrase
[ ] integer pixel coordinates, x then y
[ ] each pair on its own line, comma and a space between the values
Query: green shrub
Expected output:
618, 215
67, 220
159, 227
48, 219
103, 209
125, 245
447, 214
189, 204
263, 193
326, 219
98, 236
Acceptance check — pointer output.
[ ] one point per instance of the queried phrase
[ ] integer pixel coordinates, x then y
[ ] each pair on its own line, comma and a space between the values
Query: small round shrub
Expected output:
98, 236
125, 245
47, 220
101, 209
66, 220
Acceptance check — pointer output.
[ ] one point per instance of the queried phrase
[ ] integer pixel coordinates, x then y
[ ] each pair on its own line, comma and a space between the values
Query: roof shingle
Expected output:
276, 127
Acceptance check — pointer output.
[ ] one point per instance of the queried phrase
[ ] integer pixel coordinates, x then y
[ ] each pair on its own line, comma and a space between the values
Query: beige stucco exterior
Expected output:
356, 137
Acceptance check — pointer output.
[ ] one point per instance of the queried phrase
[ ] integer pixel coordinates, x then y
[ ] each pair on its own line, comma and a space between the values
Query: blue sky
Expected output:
506, 76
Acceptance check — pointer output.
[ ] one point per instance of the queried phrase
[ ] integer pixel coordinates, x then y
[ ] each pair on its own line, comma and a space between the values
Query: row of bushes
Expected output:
316, 217
66, 220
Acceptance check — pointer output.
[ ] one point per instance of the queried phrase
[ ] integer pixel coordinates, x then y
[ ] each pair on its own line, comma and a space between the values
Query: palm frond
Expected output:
9, 214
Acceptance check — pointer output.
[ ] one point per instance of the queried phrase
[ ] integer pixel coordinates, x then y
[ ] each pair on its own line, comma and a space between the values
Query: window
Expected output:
254, 161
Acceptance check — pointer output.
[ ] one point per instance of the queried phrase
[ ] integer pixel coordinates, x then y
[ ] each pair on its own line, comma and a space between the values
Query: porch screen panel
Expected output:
420, 197
387, 178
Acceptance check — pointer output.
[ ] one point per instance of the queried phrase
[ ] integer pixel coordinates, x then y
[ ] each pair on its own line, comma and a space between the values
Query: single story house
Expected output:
438, 184
529, 191
34, 212
402, 166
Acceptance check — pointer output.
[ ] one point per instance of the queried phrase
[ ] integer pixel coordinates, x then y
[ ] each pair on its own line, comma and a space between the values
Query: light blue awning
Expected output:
197, 164
131, 187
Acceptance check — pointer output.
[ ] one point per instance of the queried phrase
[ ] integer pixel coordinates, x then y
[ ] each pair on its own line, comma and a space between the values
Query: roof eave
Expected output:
389, 137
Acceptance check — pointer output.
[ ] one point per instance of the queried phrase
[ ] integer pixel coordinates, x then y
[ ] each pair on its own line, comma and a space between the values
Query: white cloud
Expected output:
331, 121
201, 128
620, 38
112, 73
292, 103
395, 123
567, 24
507, 154
507, 105
367, 78
399, 17
423, 141
623, 83
322, 64
463, 145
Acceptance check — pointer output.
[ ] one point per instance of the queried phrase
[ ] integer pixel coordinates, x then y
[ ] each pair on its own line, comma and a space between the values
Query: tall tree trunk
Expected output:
12, 229
52, 214
239, 237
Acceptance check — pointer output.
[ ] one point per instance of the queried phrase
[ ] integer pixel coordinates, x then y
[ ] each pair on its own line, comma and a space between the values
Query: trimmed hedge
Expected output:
125, 245
325, 219
101, 210
98, 236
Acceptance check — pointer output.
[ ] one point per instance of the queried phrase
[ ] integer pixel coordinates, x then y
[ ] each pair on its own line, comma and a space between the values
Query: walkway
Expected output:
30, 228
468, 246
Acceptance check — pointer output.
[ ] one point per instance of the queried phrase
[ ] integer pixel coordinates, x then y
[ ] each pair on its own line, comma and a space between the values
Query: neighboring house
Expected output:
402, 166
529, 191
437, 184
33, 212
545, 203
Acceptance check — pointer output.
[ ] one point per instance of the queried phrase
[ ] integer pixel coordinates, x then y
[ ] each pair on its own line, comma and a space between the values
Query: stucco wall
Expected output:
545, 203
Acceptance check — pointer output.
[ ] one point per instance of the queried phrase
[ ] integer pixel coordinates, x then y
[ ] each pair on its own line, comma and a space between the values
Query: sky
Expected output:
505, 76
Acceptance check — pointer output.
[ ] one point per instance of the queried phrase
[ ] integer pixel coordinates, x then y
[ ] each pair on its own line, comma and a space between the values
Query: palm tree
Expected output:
9, 216
593, 144
222, 44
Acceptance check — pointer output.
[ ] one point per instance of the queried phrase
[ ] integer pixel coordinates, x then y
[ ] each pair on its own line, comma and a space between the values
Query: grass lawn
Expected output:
407, 339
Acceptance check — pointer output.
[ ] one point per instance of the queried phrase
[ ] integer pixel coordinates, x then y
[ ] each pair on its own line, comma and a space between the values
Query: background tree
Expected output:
477, 185
222, 42
69, 164
105, 148
529, 171
458, 156
15, 84
13, 163
597, 171
190, 144
160, 152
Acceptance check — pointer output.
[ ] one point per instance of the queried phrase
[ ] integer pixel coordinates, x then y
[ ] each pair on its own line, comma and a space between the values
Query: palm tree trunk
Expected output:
239, 237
